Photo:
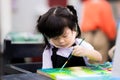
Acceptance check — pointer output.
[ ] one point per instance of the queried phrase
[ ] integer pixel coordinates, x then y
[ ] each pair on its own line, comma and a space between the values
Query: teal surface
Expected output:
77, 73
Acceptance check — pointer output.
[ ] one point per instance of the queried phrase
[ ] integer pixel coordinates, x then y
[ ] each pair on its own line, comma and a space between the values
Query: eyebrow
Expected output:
65, 33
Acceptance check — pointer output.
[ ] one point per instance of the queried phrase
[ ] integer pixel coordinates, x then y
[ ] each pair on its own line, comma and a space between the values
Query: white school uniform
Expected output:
64, 52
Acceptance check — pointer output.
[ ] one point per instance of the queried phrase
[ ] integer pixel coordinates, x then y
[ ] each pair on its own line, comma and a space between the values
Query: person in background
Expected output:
98, 25
111, 52
61, 32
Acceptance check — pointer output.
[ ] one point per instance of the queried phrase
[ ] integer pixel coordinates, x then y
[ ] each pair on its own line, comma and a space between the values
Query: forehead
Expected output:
66, 31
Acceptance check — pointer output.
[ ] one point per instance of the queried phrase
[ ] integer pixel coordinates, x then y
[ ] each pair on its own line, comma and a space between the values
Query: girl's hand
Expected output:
79, 51
92, 55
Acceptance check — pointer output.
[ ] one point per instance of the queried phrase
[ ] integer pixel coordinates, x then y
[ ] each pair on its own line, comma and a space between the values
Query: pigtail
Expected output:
72, 9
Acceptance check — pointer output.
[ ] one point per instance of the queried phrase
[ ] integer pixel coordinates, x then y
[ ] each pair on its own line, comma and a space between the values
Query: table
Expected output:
29, 76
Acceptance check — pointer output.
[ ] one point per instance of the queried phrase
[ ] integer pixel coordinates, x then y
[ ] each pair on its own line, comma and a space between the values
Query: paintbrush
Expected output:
70, 57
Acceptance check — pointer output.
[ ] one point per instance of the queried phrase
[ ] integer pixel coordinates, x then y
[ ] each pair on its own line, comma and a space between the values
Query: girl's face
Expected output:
65, 40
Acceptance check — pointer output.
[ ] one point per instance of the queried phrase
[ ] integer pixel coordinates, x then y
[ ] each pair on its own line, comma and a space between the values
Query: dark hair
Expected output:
53, 22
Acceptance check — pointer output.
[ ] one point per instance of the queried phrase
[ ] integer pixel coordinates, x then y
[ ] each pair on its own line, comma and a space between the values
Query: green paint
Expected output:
74, 72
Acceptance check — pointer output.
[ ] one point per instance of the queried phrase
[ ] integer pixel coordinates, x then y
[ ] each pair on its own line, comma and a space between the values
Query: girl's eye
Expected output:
55, 38
65, 36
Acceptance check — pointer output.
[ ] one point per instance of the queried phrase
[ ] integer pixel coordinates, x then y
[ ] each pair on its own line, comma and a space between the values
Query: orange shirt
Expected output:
98, 15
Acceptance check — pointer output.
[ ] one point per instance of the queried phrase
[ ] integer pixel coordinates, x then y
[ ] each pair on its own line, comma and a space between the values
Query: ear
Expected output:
75, 33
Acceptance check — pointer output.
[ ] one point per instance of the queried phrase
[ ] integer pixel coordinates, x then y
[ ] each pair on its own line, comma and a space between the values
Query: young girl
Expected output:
61, 32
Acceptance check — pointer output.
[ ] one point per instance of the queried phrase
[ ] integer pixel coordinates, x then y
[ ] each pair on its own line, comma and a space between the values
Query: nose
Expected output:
61, 40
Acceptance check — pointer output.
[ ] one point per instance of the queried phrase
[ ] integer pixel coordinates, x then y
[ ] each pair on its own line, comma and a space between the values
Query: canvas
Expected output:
76, 73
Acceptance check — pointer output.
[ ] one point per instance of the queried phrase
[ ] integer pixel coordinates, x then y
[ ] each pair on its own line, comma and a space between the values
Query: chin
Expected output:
66, 46
62, 46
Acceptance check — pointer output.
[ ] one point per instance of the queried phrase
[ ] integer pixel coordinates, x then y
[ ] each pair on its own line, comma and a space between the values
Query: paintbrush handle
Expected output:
66, 62
70, 57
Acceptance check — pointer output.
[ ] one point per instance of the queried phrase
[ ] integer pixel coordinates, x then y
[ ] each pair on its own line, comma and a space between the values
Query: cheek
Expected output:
53, 42
71, 40
73, 36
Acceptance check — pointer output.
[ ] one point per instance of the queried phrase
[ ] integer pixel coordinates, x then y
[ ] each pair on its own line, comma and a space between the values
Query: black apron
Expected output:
58, 61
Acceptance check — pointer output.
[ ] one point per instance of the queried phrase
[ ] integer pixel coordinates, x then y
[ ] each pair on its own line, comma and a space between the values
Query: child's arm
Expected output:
92, 54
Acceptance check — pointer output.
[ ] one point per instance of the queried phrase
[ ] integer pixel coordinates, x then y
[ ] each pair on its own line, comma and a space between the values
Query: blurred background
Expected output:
21, 15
